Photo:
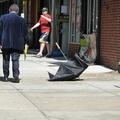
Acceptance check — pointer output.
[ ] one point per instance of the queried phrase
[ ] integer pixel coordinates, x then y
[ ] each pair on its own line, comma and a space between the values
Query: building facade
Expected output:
110, 33
88, 27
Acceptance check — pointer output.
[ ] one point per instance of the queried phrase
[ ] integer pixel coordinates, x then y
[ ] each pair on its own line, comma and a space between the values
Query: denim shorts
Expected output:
45, 38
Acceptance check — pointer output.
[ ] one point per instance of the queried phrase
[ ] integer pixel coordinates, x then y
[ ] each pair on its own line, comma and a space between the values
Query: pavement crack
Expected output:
25, 96
103, 90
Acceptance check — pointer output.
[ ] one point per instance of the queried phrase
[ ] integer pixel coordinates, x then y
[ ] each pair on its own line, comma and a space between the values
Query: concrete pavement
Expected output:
92, 97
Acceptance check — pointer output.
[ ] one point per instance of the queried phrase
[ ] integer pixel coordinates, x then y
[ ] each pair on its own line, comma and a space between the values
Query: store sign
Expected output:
63, 9
63, 18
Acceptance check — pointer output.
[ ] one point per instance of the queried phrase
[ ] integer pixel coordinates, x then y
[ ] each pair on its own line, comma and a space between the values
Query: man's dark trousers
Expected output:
15, 55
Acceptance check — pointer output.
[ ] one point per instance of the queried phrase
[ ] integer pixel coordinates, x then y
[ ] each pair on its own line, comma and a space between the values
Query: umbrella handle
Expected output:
60, 50
25, 51
57, 45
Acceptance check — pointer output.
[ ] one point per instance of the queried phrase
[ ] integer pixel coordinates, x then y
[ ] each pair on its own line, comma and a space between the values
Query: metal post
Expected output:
52, 24
69, 34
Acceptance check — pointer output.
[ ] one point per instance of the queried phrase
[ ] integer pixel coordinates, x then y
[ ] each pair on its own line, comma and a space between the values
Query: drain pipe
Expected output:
98, 35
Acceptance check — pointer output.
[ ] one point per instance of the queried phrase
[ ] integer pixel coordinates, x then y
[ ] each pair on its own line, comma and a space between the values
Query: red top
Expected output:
45, 25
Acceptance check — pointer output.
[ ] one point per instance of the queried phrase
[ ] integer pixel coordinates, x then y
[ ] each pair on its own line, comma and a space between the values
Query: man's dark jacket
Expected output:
13, 32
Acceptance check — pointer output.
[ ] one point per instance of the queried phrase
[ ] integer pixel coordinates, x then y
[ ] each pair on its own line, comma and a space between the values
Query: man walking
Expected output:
13, 37
45, 25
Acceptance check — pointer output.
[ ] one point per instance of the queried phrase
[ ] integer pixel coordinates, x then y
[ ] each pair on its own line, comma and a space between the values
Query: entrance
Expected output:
84, 26
60, 23
31, 10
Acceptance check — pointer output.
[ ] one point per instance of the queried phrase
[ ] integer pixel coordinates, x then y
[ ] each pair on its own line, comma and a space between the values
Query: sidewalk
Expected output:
35, 98
90, 69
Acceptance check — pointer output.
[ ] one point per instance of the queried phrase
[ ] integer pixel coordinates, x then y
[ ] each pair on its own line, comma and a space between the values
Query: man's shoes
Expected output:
17, 80
39, 55
48, 55
5, 79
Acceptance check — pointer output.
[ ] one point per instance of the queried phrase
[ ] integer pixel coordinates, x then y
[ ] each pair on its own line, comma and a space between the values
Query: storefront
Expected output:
60, 24
30, 10
75, 23
72, 20
75, 27
90, 31
84, 29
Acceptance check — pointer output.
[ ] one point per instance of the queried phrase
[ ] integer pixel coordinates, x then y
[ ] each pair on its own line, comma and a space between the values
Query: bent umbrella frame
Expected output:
69, 70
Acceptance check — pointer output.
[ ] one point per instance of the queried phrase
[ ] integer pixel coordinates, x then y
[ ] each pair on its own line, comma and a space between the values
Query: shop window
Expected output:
83, 27
84, 18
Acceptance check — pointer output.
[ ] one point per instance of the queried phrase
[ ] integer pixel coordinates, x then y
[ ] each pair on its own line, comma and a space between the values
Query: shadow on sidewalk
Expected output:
77, 79
12, 80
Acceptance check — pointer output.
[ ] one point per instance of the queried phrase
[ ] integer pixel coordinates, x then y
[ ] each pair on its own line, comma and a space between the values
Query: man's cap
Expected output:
45, 9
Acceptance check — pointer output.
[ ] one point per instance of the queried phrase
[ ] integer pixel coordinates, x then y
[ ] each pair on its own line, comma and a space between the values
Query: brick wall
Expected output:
73, 47
110, 33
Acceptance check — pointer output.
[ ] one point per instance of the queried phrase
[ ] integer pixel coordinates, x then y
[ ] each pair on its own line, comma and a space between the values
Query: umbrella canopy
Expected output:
69, 70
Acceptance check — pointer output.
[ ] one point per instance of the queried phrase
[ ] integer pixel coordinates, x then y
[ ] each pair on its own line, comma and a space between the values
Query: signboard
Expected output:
63, 18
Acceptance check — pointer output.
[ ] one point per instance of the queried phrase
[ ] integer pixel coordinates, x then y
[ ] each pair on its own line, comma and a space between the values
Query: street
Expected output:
92, 96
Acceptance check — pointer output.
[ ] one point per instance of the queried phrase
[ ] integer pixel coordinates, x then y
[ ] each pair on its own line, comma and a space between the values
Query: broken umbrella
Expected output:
69, 70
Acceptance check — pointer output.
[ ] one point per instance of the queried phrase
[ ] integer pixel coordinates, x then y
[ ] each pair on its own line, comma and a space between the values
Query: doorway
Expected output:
60, 25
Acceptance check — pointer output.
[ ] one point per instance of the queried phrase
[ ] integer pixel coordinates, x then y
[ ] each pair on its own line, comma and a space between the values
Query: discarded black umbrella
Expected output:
69, 70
